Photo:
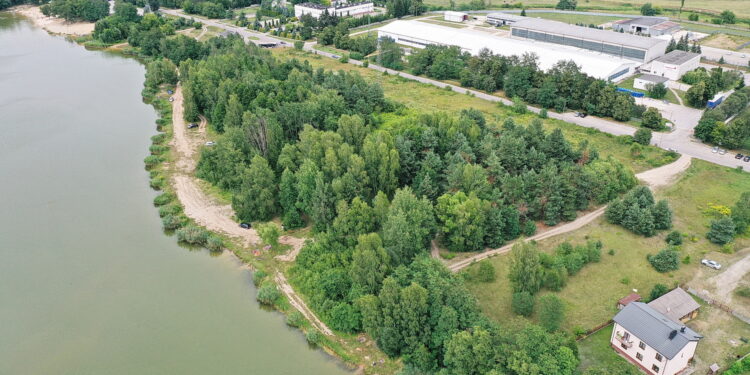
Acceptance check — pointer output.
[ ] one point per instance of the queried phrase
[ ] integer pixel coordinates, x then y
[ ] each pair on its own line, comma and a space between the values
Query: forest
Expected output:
729, 123
378, 183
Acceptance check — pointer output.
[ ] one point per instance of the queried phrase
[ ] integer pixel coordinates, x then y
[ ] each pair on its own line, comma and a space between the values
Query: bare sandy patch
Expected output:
53, 24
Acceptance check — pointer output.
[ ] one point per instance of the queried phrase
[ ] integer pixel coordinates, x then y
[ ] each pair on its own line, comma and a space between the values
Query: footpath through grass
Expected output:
428, 98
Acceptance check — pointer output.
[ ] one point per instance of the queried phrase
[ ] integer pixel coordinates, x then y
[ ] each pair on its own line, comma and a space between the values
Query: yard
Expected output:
425, 97
590, 296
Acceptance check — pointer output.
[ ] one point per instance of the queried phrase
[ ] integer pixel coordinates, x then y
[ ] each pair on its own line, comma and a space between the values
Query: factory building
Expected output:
626, 46
455, 16
502, 19
339, 8
420, 34
653, 26
675, 64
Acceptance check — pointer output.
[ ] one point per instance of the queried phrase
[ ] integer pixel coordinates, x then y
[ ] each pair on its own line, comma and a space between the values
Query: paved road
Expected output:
681, 139
244, 32
730, 57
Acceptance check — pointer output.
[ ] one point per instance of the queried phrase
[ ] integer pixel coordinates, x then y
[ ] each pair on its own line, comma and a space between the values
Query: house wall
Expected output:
674, 71
454, 16
666, 366
341, 12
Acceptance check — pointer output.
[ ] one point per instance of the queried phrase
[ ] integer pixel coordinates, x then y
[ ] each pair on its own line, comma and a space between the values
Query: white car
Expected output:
171, 99
210, 143
711, 263
715, 149
722, 151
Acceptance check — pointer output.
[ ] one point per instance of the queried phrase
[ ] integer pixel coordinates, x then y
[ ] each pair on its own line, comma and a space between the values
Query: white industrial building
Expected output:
643, 82
675, 64
502, 19
613, 43
420, 34
455, 16
338, 8
653, 26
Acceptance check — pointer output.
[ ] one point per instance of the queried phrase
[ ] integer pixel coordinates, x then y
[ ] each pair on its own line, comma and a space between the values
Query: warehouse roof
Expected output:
677, 57
656, 330
606, 36
592, 63
675, 304
643, 21
506, 16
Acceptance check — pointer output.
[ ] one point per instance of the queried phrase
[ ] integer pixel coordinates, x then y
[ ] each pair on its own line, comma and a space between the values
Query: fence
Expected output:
594, 330
713, 302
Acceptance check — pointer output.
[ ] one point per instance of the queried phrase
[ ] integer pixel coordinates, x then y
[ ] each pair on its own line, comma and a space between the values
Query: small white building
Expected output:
675, 64
338, 8
643, 82
652, 341
455, 16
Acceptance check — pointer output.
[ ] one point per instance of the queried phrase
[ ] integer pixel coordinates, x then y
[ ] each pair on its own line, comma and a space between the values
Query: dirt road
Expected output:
300, 305
728, 280
654, 178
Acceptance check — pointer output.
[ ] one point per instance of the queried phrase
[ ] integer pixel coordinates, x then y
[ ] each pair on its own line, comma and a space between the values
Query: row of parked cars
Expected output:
743, 157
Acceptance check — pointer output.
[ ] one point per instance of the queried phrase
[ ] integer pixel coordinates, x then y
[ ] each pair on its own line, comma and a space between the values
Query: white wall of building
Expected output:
344, 11
674, 71
666, 366
454, 16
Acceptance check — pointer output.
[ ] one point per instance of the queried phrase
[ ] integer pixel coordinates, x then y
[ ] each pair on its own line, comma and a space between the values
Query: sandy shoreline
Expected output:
53, 24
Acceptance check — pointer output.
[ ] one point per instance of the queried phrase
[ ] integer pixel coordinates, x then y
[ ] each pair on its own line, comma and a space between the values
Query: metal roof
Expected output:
587, 33
666, 25
655, 329
506, 16
646, 21
675, 304
594, 64
653, 78
677, 57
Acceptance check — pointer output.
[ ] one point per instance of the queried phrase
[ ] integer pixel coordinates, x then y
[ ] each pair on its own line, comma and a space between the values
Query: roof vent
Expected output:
672, 334
682, 329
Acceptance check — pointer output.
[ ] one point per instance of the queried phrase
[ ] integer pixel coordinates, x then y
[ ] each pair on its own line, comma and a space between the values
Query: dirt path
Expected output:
654, 178
296, 243
728, 280
300, 305
676, 95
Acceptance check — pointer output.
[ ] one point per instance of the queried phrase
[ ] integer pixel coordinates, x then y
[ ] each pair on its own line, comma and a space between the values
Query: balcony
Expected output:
624, 341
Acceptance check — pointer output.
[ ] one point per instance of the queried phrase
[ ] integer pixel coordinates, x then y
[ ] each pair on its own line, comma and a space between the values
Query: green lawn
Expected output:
428, 98
591, 295
628, 84
595, 351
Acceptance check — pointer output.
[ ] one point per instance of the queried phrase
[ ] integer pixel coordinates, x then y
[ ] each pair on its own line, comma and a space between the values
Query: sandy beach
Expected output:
53, 24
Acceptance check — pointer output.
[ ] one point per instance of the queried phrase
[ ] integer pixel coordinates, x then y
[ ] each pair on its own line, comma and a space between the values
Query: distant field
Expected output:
730, 42
713, 6
575, 18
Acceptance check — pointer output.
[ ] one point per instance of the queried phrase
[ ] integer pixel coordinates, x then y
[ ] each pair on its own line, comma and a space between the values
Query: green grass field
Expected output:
595, 351
575, 18
428, 98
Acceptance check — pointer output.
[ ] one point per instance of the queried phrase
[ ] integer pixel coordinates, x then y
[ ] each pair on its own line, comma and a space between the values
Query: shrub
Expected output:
529, 228
163, 199
313, 337
674, 238
486, 272
295, 319
743, 291
269, 233
665, 260
642, 136
157, 183
543, 113
625, 281
171, 222
152, 161
365, 63
686, 260
259, 276
158, 149
193, 235
170, 209
551, 312
298, 45
722, 231
268, 294
519, 106
214, 243
523, 303
611, 252
159, 138
344, 58
356, 56
657, 291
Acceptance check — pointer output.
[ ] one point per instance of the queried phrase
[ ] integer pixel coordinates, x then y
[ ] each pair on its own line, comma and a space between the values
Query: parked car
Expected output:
170, 92
747, 158
722, 151
739, 156
711, 263
715, 149
336, 56
245, 225
210, 143
171, 99
192, 125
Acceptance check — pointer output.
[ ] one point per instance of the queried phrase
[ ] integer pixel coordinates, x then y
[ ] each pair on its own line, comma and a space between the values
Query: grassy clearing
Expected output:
725, 41
428, 98
575, 18
595, 350
591, 295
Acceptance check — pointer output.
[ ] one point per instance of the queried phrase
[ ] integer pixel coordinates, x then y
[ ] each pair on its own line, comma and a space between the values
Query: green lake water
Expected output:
89, 284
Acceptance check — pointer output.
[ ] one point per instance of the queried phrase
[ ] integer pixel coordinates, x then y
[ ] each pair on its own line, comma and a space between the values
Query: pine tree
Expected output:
662, 215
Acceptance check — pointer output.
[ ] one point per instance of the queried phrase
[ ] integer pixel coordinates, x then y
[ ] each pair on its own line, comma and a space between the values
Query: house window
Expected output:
658, 357
642, 345
622, 345
639, 356
626, 336
655, 368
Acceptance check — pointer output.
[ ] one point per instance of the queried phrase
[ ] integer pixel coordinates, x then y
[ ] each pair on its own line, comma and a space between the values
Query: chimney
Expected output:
682, 329
672, 334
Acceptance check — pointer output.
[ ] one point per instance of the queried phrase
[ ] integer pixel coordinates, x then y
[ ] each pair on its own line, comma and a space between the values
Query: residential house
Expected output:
676, 305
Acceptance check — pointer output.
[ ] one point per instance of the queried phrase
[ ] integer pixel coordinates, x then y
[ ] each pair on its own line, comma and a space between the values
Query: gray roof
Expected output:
675, 304
646, 21
506, 16
677, 57
653, 78
653, 328
606, 36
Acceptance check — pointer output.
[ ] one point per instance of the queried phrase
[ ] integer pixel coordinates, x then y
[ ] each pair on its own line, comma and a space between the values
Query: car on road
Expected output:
192, 125
245, 225
171, 99
336, 56
170, 92
739, 156
210, 143
715, 149
722, 151
747, 158
710, 263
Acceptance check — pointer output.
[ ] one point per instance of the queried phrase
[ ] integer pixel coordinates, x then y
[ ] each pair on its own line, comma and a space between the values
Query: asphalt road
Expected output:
680, 139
